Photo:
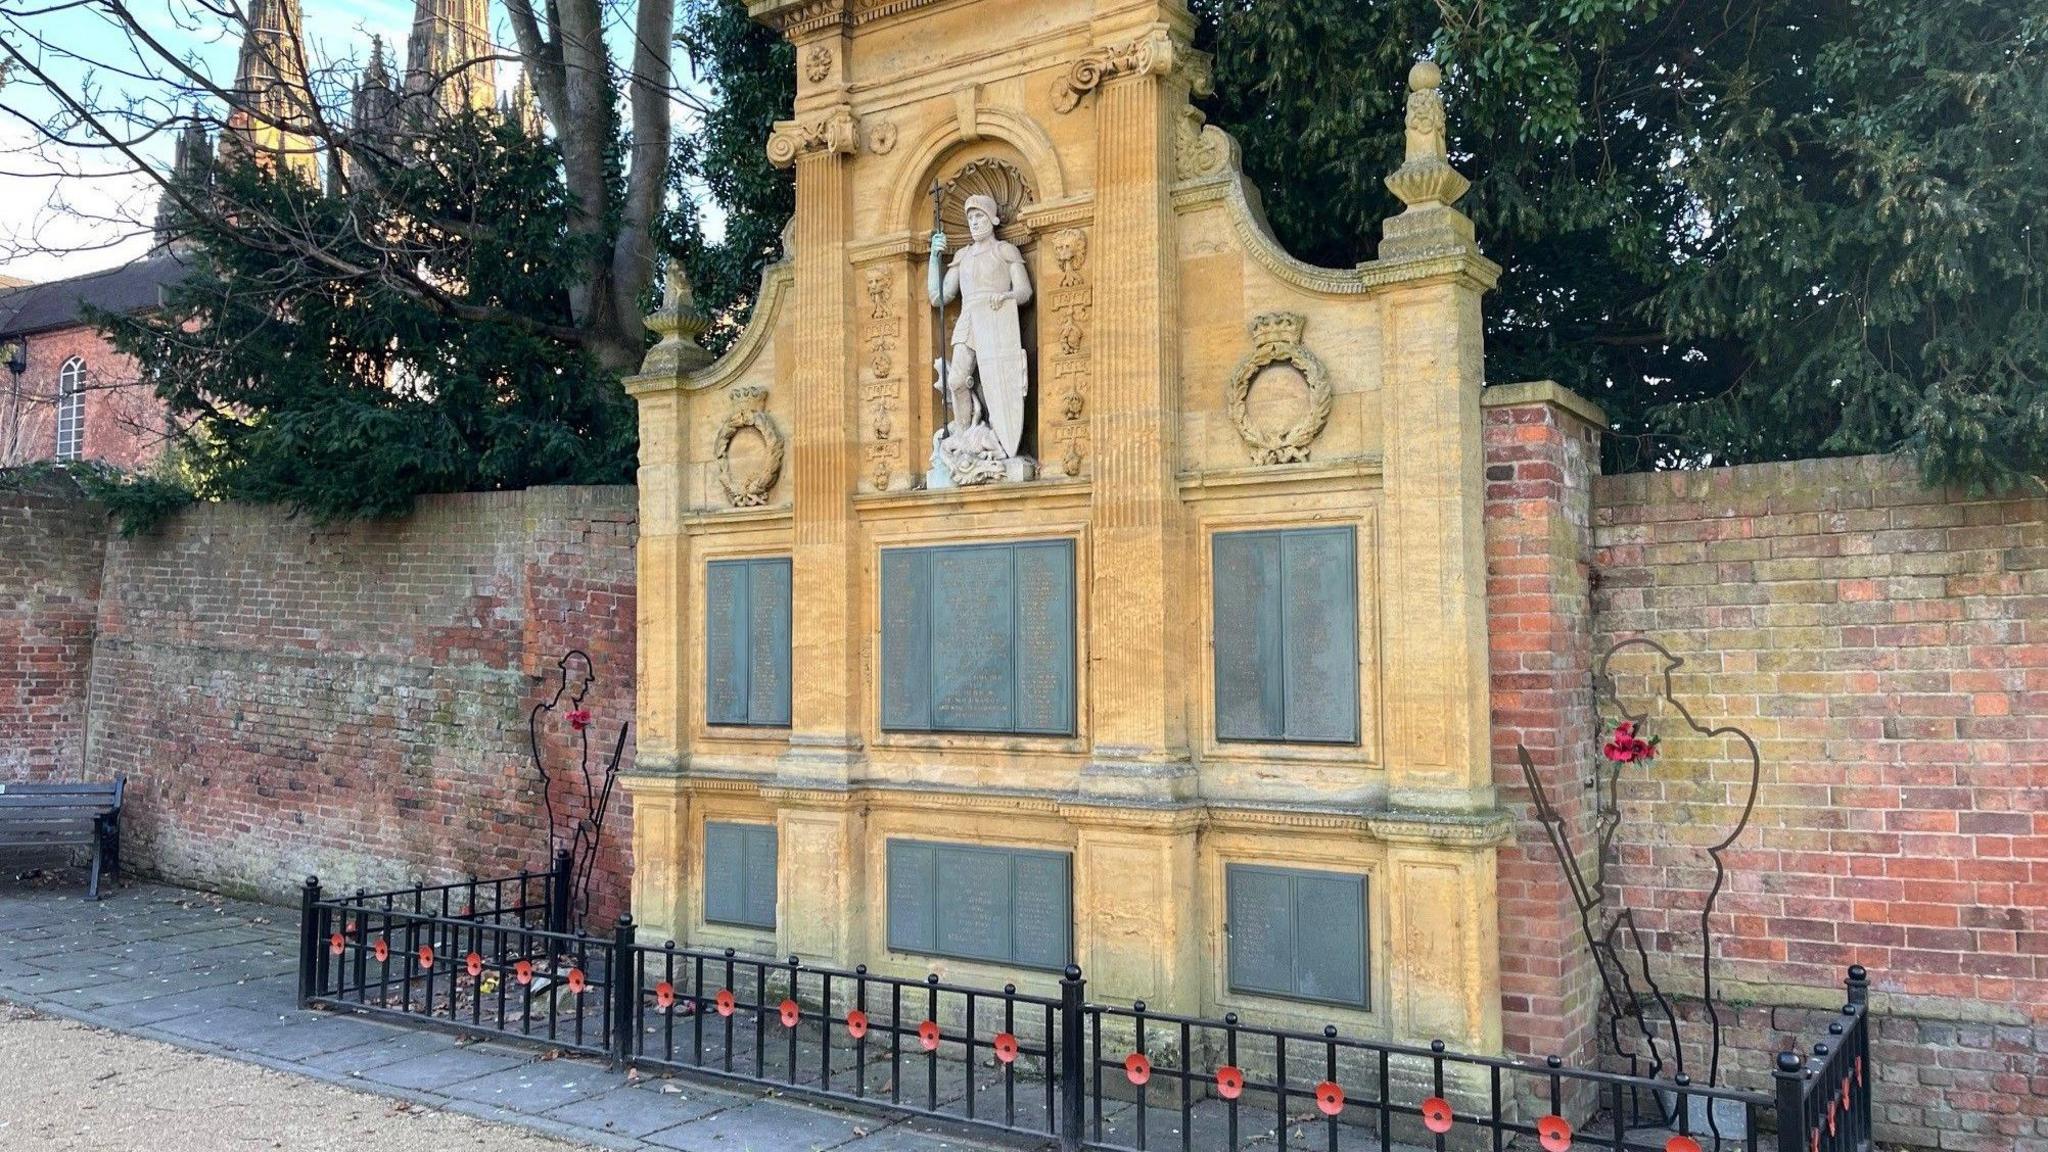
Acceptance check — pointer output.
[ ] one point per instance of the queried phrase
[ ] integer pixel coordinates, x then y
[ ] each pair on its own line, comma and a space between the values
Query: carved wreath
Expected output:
1276, 339
749, 410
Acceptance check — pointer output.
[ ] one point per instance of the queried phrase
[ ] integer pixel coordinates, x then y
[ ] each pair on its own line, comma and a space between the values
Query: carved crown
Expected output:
749, 398
1277, 330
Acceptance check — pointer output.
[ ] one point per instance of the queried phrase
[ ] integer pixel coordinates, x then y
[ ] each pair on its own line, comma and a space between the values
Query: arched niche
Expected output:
1000, 169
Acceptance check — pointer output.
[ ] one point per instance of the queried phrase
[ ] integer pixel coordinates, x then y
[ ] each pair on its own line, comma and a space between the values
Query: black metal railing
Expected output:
489, 957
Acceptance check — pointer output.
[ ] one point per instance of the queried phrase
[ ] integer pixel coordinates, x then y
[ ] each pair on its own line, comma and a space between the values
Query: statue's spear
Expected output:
939, 310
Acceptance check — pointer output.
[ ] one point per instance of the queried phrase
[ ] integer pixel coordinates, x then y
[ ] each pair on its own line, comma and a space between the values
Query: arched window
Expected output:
71, 409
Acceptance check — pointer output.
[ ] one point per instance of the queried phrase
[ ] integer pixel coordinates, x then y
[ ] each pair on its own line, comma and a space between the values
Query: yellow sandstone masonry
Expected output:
1187, 377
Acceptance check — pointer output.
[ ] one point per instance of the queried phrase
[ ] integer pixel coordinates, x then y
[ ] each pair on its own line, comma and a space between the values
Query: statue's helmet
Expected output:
987, 206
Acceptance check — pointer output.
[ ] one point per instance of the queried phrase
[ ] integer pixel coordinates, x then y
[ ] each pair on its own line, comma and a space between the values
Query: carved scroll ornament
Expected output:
749, 410
1156, 52
1276, 339
836, 131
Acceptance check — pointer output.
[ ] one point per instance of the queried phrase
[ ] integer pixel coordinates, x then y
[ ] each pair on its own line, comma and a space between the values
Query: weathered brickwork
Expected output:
124, 421
52, 544
1887, 646
1542, 453
352, 701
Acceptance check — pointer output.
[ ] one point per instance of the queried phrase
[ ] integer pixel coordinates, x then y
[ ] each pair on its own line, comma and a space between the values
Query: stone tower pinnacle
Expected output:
273, 104
448, 58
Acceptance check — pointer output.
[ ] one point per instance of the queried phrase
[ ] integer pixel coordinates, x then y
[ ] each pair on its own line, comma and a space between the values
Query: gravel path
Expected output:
68, 1088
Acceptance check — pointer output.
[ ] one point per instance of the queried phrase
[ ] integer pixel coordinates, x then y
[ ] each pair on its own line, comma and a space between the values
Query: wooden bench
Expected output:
65, 816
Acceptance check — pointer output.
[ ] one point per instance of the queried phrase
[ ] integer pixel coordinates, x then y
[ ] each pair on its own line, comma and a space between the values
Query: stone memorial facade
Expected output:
1182, 675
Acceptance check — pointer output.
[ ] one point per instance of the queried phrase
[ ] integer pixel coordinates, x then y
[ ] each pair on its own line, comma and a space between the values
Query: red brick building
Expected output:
65, 394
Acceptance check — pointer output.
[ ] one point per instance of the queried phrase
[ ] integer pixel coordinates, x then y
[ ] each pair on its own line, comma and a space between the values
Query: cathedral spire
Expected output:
374, 106
189, 168
273, 103
449, 63
520, 108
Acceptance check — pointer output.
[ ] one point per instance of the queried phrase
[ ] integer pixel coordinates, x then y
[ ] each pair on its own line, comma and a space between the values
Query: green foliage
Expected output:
343, 354
1751, 232
139, 501
751, 72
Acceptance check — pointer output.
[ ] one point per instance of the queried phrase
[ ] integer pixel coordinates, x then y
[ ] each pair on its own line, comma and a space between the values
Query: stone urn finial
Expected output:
679, 325
1425, 178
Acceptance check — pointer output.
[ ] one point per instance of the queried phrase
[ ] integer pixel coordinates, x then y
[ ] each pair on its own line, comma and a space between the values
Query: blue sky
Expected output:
64, 212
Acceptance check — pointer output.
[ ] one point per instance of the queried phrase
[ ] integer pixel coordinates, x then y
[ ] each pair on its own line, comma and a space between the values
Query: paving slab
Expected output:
539, 1086
636, 1111
765, 1126
218, 977
437, 1071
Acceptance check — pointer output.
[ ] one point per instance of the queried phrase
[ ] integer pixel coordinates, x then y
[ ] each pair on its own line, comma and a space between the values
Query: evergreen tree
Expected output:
1765, 231
297, 373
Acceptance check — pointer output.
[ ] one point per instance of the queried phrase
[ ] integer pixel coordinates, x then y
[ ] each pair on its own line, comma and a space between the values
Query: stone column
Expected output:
661, 709
827, 693
1136, 868
1137, 714
1434, 606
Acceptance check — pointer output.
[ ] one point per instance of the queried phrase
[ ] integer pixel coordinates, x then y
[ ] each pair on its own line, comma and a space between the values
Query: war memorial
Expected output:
1056, 570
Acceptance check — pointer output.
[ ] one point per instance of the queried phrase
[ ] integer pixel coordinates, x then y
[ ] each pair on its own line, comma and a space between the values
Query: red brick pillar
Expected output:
1542, 453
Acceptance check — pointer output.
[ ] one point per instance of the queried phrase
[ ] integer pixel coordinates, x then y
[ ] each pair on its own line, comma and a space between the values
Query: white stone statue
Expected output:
990, 281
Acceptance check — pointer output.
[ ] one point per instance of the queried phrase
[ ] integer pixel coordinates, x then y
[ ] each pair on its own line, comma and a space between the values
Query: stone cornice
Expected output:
917, 501
1460, 263
1544, 392
1471, 831
700, 520
1441, 829
1231, 190
1317, 476
797, 18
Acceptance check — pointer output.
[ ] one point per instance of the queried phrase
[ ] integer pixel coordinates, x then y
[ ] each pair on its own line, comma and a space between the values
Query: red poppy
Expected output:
856, 1024
790, 1014
523, 971
579, 719
928, 1035
1329, 1098
664, 994
426, 955
576, 981
336, 944
723, 1001
474, 963
1626, 747
1137, 1069
1831, 1117
1436, 1115
1006, 1047
1845, 1091
1555, 1133
382, 950
1859, 1070
1230, 1082
1681, 1144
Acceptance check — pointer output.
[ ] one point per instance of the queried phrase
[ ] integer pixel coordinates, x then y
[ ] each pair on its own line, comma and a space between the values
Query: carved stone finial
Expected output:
1425, 178
679, 325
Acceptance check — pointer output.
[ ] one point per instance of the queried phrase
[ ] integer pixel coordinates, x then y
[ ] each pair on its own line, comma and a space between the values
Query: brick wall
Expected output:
1542, 454
289, 699
52, 544
1887, 646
